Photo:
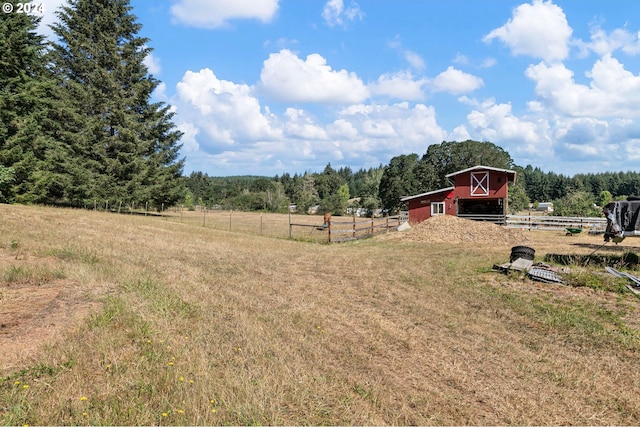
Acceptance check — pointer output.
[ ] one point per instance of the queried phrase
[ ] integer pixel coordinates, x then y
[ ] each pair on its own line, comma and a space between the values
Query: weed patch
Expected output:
32, 274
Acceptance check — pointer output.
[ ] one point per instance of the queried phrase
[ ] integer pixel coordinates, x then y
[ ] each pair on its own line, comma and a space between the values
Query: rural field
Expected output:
109, 319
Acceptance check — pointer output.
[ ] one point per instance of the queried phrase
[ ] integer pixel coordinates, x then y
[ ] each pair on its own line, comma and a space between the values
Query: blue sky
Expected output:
264, 87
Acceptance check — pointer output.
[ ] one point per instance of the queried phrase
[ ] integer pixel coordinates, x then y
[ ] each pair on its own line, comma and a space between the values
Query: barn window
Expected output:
437, 208
479, 183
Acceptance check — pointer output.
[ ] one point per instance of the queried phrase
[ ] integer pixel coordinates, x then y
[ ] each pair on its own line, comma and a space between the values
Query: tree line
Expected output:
382, 187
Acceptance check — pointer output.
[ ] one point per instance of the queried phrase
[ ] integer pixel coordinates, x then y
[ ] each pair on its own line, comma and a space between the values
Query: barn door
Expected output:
479, 183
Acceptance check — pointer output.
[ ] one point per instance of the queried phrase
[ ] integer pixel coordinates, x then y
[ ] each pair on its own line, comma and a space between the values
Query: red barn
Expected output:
479, 192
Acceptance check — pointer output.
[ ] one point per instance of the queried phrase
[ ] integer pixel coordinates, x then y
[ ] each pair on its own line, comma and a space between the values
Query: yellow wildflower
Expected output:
170, 363
164, 414
83, 398
181, 378
181, 411
25, 386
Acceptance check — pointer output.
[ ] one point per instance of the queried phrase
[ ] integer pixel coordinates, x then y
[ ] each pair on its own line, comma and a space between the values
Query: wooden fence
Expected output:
343, 229
544, 222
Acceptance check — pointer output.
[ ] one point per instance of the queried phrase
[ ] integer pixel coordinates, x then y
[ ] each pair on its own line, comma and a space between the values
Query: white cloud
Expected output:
539, 29
497, 123
613, 91
286, 77
300, 125
189, 142
395, 127
335, 14
49, 17
400, 85
456, 82
217, 13
153, 64
604, 43
413, 59
226, 112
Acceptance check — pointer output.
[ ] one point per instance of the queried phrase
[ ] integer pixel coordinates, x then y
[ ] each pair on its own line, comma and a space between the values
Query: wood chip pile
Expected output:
451, 229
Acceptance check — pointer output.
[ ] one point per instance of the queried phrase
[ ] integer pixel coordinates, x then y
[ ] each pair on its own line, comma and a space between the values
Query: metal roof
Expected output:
480, 167
442, 190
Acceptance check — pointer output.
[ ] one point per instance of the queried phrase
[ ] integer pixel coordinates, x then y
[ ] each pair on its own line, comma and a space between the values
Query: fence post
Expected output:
290, 226
353, 233
181, 213
329, 229
230, 211
261, 223
387, 223
119, 206
372, 229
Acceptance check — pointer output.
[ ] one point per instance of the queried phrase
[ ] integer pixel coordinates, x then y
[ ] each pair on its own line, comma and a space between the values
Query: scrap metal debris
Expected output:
633, 286
544, 275
538, 271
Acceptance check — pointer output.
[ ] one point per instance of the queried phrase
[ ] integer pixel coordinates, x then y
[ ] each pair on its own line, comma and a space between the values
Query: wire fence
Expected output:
310, 228
285, 226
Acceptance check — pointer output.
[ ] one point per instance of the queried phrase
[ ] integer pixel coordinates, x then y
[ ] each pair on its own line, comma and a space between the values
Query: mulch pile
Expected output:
451, 229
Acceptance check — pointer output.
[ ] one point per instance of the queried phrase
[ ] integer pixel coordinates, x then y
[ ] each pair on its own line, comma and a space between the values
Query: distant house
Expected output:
545, 207
479, 192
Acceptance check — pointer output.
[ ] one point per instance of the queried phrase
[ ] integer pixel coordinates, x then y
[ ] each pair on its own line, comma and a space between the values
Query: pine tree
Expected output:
26, 88
124, 148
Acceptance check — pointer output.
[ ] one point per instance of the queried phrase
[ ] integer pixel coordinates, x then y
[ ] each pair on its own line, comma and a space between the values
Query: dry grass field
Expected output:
306, 227
132, 320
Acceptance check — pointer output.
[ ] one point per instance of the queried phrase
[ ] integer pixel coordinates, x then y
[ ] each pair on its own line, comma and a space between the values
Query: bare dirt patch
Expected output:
35, 311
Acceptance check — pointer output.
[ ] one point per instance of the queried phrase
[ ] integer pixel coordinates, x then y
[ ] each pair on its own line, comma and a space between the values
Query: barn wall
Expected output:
420, 209
497, 185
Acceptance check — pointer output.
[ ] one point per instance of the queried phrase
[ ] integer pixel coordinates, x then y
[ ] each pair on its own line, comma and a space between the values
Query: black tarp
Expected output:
623, 218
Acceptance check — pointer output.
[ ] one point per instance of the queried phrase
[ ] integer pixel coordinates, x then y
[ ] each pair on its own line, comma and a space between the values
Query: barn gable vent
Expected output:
479, 183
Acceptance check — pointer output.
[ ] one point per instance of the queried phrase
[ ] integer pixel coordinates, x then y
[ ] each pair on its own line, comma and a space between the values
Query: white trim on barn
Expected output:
480, 167
479, 183
406, 198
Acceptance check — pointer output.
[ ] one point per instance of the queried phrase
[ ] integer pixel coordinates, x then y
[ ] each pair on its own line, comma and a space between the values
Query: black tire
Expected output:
522, 252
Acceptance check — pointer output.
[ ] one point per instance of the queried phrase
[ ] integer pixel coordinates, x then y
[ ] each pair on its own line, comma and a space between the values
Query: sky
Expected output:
266, 87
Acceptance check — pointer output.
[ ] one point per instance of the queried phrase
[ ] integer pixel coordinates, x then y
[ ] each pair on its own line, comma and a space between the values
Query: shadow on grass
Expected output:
628, 259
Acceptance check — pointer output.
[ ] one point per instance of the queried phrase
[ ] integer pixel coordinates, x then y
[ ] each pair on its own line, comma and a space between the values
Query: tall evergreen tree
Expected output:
26, 88
120, 146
